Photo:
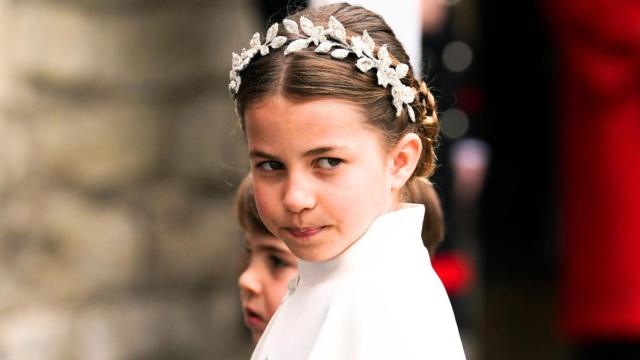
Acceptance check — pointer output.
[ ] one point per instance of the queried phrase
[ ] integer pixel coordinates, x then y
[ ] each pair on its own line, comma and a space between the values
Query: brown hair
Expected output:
246, 210
421, 191
306, 75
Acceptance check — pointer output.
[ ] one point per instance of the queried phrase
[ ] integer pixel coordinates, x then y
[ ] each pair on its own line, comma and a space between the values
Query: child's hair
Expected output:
421, 191
308, 75
246, 209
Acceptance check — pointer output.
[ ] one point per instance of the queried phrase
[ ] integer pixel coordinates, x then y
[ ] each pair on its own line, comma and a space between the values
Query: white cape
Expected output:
380, 299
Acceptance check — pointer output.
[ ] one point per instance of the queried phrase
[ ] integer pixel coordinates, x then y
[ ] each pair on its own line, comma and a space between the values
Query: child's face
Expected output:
321, 174
264, 282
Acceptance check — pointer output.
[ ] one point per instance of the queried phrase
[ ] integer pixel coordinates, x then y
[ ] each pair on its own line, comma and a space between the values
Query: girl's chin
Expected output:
319, 254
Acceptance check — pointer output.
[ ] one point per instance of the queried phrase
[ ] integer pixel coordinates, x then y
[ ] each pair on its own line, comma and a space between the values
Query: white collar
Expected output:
393, 233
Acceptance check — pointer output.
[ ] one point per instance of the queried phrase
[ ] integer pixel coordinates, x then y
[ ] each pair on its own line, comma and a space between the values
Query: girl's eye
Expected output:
328, 163
270, 165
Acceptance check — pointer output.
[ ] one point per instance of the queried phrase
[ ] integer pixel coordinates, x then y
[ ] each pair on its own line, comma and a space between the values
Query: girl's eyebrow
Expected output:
261, 154
321, 150
311, 152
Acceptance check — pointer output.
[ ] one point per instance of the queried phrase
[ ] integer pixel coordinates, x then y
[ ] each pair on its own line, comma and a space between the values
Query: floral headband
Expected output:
362, 46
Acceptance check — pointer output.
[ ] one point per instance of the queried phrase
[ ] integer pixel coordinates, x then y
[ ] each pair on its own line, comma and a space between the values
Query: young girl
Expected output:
336, 125
270, 264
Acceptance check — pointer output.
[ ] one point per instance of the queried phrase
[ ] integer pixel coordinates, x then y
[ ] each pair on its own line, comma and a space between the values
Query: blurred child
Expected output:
270, 265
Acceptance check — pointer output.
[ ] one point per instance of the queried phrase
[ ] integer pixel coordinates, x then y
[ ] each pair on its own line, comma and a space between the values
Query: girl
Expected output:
270, 264
336, 125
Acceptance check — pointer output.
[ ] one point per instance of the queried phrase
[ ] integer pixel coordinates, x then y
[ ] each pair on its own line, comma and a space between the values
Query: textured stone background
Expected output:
118, 146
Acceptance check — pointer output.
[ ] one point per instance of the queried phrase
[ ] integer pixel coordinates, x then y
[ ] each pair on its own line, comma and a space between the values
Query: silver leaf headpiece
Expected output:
334, 42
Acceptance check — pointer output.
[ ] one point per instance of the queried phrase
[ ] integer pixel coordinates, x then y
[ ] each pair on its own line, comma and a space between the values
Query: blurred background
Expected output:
120, 151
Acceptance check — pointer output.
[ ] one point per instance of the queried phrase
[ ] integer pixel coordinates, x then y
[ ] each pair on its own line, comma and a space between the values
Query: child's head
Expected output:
333, 135
270, 265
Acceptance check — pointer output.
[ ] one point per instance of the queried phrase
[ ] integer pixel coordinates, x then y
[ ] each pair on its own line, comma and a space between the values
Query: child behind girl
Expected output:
336, 127
270, 264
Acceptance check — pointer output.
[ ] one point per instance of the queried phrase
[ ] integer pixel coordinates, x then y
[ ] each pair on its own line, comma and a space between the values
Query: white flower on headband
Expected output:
363, 47
240, 62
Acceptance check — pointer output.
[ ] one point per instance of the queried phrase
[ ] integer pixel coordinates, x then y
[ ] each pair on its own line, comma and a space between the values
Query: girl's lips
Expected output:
304, 232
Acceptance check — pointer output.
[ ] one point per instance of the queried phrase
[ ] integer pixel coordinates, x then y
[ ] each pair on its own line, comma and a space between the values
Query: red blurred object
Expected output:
471, 100
455, 271
599, 141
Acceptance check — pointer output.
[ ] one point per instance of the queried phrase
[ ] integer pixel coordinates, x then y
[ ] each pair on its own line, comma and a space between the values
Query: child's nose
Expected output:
248, 281
298, 195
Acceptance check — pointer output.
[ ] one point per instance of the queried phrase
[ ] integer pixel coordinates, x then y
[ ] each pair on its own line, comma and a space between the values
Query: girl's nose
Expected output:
298, 195
248, 281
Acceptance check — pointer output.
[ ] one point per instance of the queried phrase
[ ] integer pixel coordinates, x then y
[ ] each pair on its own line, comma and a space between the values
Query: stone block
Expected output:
21, 242
99, 147
16, 154
100, 245
35, 333
62, 246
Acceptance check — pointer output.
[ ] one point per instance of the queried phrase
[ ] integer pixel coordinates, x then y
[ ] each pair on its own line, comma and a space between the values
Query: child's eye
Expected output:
270, 165
277, 262
328, 163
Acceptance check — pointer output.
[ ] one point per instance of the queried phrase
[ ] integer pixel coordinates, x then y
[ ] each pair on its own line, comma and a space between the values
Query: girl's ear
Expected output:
404, 159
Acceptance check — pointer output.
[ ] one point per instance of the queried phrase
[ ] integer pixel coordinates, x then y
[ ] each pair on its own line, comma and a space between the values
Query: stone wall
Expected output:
118, 146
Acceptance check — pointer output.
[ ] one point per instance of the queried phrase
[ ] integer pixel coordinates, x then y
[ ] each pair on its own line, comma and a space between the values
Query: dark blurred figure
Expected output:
598, 42
518, 243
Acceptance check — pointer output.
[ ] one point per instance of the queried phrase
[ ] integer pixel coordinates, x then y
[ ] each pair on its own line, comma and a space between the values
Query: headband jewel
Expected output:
362, 46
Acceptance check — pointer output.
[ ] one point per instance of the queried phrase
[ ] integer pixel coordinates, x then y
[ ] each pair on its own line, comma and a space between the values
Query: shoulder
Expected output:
386, 327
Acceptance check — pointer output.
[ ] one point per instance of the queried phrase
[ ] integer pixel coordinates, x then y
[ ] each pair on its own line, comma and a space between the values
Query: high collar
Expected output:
389, 238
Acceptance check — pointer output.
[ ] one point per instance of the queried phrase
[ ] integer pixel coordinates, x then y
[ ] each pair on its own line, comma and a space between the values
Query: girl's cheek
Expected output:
266, 202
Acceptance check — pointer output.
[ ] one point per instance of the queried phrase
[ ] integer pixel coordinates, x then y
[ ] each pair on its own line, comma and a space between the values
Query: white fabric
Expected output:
380, 299
404, 19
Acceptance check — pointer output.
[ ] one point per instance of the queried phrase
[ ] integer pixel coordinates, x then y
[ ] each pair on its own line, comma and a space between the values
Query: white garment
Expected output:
379, 299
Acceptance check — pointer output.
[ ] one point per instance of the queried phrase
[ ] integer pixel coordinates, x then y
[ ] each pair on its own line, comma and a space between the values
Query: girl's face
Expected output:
264, 282
320, 174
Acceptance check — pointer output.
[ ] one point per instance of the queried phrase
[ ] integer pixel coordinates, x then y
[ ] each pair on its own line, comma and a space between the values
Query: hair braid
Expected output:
427, 126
